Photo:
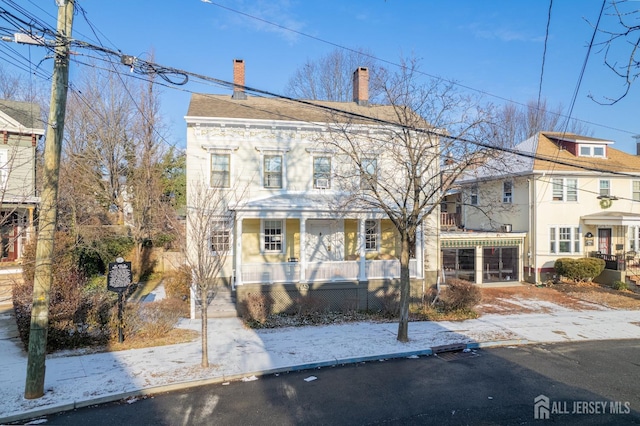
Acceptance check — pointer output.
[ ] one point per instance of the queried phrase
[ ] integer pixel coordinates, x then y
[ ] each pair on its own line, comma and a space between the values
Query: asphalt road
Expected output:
584, 383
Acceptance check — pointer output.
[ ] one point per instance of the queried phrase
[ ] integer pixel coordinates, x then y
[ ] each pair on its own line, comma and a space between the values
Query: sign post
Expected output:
119, 280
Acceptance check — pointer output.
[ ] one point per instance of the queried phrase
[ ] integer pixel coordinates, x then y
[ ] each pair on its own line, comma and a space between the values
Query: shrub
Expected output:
619, 285
256, 307
579, 270
177, 283
76, 317
149, 320
459, 295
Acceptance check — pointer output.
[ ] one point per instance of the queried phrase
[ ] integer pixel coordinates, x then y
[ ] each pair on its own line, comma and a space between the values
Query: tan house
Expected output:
567, 195
20, 128
286, 236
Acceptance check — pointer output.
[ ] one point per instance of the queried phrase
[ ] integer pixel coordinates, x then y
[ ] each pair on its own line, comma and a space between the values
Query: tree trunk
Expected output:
405, 286
203, 316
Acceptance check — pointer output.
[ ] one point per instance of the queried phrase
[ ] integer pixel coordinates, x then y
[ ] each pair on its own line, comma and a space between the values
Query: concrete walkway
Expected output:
76, 379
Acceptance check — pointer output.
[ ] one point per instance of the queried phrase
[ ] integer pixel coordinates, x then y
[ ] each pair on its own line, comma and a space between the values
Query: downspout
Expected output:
533, 232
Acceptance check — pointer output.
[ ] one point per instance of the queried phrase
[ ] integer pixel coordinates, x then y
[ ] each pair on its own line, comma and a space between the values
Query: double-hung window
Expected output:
272, 171
371, 235
273, 235
369, 173
635, 190
220, 236
565, 189
605, 187
564, 239
507, 192
220, 170
322, 172
474, 195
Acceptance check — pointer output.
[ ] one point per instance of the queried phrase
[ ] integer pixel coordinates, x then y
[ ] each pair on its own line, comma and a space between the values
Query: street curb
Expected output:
237, 377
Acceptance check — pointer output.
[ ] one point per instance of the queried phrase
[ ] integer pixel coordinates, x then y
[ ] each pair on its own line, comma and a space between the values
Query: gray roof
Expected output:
25, 113
259, 108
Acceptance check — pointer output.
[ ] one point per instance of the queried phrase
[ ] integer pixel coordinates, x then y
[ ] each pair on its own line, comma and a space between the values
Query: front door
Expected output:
604, 240
324, 240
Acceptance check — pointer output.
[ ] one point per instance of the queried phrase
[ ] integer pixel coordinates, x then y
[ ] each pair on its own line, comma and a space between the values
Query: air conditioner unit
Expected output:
322, 183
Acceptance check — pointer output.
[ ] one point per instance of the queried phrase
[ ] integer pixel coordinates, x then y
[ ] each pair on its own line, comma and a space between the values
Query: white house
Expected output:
286, 235
20, 130
570, 195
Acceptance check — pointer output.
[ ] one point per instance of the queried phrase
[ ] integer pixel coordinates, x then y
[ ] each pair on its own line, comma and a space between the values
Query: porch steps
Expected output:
223, 304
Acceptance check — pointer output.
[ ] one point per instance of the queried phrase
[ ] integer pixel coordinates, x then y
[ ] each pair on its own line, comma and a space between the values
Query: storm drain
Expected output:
453, 352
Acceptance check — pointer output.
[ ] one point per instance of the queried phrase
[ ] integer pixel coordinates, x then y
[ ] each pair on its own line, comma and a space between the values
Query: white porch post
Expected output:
238, 251
479, 268
419, 252
361, 243
303, 249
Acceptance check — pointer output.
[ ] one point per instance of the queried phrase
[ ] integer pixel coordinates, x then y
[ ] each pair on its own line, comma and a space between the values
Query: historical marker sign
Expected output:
119, 276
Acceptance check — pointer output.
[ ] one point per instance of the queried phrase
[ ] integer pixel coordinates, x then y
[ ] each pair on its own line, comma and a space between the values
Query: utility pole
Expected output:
34, 387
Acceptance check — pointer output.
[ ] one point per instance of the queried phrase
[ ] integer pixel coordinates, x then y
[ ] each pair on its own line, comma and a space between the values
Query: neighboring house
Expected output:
285, 236
20, 127
567, 196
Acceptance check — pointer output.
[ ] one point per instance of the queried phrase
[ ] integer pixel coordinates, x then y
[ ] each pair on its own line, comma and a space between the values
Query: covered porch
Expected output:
282, 241
615, 238
483, 257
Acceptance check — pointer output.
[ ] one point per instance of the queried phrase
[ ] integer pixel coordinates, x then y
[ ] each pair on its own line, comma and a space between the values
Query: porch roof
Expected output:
298, 204
612, 218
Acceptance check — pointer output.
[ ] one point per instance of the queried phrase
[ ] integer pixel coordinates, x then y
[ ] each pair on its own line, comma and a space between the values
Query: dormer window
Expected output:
592, 151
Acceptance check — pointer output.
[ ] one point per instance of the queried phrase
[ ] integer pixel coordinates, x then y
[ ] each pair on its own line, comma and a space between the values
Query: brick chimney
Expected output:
361, 86
238, 79
637, 138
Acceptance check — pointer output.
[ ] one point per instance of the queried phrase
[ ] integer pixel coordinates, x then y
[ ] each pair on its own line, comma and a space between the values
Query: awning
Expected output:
612, 219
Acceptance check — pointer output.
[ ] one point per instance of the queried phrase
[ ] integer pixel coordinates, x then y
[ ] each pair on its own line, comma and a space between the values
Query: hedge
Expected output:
579, 270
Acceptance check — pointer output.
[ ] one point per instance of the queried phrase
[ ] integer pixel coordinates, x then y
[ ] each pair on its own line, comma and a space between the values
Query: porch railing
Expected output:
614, 262
449, 220
289, 272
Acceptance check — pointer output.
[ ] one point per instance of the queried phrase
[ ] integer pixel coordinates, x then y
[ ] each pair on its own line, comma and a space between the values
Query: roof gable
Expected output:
20, 117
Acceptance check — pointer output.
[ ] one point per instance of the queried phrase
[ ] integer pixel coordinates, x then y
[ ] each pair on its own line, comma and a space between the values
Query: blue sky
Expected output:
494, 48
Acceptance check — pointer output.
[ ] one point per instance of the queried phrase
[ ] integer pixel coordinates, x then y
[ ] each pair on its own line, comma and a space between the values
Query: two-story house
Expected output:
20, 129
286, 236
571, 195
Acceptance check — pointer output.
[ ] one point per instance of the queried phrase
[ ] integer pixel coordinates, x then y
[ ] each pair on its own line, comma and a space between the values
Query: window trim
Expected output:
474, 195
574, 241
227, 183
507, 196
263, 235
264, 171
568, 189
608, 188
591, 148
635, 191
226, 229
374, 176
372, 237
315, 175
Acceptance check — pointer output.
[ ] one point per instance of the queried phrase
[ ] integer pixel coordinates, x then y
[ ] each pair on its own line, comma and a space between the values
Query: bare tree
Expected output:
512, 123
394, 165
329, 77
99, 136
621, 46
206, 245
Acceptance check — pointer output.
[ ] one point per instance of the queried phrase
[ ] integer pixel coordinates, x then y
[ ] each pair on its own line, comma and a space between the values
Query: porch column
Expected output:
419, 252
361, 243
238, 251
303, 249
479, 267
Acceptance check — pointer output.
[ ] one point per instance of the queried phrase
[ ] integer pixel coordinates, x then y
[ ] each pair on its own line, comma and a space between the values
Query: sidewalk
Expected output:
235, 352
